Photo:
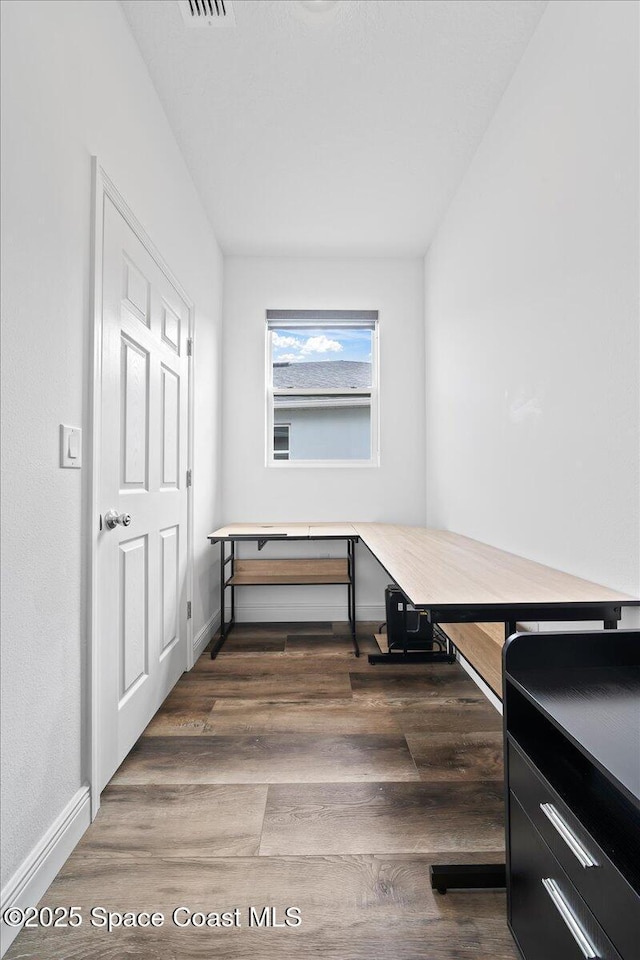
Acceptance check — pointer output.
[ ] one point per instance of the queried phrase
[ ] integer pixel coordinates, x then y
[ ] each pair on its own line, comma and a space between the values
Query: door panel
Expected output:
136, 290
171, 327
170, 555
142, 566
133, 614
134, 430
170, 428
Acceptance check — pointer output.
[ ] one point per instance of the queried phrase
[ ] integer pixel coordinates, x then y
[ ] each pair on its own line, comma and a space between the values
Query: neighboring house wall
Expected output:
74, 84
392, 492
340, 433
532, 354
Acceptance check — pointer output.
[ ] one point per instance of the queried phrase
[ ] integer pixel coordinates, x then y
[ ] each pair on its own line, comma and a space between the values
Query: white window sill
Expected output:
323, 464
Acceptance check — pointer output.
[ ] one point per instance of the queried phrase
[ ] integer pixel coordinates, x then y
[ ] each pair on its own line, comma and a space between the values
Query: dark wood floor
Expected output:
288, 773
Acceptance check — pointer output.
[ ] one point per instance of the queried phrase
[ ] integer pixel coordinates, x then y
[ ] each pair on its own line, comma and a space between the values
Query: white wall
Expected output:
73, 85
394, 491
336, 433
532, 359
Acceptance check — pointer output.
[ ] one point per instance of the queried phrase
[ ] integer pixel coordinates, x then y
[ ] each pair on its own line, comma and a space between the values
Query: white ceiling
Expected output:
340, 133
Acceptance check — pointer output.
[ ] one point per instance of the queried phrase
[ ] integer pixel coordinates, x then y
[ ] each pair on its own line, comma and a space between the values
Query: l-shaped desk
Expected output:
450, 578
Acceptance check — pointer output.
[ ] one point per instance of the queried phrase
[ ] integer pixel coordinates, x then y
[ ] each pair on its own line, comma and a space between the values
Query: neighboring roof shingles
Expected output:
324, 374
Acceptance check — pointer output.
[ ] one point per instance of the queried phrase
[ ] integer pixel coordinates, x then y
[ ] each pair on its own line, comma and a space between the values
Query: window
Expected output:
281, 441
322, 387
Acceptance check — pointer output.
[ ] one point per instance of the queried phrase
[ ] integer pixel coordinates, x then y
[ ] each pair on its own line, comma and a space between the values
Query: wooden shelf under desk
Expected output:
383, 642
481, 645
289, 572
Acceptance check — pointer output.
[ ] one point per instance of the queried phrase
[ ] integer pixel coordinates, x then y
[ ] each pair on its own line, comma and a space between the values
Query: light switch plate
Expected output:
70, 446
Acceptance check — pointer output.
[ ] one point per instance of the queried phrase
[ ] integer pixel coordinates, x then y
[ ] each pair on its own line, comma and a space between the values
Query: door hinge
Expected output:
189, 347
188, 609
188, 478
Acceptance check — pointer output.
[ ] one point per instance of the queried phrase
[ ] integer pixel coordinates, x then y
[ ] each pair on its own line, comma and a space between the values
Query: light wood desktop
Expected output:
478, 593
463, 584
436, 568
439, 570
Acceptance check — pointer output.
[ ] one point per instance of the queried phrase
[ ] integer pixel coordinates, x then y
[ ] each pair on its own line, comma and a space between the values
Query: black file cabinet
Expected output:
572, 753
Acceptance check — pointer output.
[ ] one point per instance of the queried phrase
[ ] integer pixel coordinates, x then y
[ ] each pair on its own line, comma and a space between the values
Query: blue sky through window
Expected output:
322, 343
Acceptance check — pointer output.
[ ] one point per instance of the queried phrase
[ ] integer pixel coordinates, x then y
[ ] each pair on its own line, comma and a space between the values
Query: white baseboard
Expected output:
479, 682
299, 612
205, 633
35, 875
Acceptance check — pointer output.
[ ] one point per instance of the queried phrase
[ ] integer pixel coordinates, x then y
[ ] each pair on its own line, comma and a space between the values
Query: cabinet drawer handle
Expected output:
583, 857
569, 918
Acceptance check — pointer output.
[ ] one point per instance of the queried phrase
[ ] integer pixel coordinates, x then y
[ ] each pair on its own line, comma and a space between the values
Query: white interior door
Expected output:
142, 561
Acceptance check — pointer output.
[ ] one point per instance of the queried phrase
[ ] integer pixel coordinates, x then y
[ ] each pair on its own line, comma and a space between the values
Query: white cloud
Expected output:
304, 349
321, 344
280, 341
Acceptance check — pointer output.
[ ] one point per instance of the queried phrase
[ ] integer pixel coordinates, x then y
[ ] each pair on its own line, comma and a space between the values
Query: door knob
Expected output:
112, 518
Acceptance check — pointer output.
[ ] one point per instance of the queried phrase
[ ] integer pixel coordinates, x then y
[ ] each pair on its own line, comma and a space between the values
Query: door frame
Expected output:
103, 188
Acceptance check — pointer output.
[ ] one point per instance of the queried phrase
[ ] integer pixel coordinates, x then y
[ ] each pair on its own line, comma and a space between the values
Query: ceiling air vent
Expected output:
207, 13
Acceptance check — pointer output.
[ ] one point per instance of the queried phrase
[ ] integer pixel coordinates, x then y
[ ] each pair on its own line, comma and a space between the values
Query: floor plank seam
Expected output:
264, 817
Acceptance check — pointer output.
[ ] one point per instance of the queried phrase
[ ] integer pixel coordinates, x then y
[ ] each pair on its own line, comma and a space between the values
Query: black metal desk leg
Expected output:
222, 591
351, 553
225, 626
215, 649
233, 589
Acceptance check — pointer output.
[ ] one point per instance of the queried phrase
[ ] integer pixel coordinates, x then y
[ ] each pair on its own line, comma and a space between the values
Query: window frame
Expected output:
316, 319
